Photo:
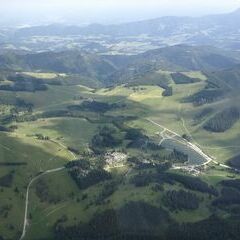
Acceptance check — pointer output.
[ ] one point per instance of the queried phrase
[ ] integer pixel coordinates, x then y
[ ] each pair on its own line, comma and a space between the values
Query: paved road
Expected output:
192, 146
164, 137
64, 147
184, 141
201, 146
25, 222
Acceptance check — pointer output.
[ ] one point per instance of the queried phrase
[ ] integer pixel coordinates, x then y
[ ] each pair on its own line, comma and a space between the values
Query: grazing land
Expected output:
120, 147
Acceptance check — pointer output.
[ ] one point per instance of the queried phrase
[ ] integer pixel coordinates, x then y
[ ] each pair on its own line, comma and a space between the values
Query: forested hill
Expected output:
228, 78
121, 69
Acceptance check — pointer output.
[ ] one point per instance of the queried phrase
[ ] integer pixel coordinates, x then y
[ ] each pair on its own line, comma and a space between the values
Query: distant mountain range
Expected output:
207, 30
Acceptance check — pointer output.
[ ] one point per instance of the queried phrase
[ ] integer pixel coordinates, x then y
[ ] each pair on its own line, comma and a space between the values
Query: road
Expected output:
64, 147
188, 133
164, 137
201, 146
192, 146
184, 141
25, 222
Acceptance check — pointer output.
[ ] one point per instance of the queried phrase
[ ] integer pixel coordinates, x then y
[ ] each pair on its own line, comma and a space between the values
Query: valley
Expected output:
55, 122
126, 131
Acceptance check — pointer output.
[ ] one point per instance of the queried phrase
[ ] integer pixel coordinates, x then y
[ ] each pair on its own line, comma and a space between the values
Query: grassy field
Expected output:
74, 132
44, 75
196, 74
178, 116
37, 156
143, 101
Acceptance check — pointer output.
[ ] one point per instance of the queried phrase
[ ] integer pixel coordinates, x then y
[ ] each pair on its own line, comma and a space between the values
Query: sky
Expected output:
107, 11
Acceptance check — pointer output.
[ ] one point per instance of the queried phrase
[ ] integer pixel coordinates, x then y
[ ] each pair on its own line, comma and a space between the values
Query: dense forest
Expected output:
24, 83
95, 106
235, 162
7, 180
179, 200
180, 78
223, 121
189, 182
135, 220
141, 221
205, 96
85, 175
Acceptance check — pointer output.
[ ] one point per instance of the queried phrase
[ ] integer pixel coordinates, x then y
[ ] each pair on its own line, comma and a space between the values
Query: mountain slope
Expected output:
64, 62
115, 69
177, 58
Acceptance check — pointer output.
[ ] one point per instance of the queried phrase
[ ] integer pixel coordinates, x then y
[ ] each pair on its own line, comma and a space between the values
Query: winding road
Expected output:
25, 222
174, 136
64, 147
183, 141
189, 144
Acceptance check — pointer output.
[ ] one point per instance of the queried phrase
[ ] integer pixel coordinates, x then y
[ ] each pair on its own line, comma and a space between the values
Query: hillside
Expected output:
115, 170
109, 70
176, 58
228, 78
119, 147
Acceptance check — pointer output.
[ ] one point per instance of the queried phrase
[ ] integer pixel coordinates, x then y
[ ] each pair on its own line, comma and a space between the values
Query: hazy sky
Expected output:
107, 11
